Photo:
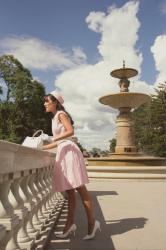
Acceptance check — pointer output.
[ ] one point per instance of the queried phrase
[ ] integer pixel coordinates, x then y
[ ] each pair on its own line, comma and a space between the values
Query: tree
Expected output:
150, 124
95, 152
15, 76
1, 92
22, 112
112, 145
80, 146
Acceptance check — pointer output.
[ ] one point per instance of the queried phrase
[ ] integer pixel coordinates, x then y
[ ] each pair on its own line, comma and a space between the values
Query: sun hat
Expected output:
57, 96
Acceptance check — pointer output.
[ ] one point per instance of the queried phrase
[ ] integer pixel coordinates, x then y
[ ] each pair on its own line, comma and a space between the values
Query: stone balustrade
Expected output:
27, 201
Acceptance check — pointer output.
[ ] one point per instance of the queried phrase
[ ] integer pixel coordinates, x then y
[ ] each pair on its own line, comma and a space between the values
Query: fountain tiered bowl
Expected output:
125, 99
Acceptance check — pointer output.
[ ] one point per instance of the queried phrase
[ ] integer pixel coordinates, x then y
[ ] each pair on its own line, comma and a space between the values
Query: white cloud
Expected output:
81, 88
158, 50
95, 21
84, 85
119, 33
34, 53
78, 55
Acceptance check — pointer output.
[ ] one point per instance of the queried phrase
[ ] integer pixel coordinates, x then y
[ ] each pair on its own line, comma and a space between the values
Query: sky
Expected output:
72, 46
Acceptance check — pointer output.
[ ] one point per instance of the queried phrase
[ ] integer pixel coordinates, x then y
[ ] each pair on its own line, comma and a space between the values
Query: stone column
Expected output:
125, 132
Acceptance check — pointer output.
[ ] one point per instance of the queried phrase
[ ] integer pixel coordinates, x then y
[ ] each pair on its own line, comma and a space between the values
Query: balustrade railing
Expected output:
27, 201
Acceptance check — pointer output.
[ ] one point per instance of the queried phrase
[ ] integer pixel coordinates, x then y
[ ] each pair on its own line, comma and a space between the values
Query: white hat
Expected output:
57, 96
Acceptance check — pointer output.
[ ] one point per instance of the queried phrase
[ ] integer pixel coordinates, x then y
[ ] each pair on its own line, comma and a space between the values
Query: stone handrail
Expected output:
26, 197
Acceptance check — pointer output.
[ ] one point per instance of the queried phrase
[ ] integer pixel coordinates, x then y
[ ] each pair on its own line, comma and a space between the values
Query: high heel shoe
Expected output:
92, 235
71, 230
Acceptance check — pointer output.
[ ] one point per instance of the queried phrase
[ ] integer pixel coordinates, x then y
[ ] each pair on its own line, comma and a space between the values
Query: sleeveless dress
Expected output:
70, 169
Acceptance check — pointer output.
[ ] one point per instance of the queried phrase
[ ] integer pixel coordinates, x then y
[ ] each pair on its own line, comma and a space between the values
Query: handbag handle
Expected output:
41, 131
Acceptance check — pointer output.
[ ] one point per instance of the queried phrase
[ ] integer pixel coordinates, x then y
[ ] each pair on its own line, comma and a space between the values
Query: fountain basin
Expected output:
125, 99
127, 160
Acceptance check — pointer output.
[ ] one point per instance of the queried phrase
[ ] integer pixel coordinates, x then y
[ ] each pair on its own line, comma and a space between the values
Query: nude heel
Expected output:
70, 231
92, 235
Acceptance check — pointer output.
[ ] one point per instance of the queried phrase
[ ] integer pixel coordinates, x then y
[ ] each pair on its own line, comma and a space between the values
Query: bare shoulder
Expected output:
62, 116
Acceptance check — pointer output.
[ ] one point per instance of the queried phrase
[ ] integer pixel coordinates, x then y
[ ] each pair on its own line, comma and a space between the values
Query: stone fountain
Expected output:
126, 153
125, 101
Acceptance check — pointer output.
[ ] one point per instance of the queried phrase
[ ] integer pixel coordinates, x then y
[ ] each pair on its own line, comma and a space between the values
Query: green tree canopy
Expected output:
112, 145
22, 111
150, 124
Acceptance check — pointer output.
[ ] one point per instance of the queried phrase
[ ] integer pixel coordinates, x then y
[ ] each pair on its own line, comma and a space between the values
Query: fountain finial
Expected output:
123, 64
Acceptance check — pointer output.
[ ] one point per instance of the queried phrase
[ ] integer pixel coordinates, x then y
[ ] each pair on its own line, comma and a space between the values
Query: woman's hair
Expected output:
59, 106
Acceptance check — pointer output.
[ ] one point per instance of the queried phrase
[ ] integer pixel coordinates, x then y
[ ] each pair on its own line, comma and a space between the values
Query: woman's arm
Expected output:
69, 131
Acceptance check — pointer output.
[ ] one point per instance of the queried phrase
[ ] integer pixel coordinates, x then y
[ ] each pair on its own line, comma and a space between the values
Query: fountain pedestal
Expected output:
125, 134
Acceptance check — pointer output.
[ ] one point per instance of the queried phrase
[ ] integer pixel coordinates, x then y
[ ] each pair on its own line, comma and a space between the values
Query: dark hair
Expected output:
59, 106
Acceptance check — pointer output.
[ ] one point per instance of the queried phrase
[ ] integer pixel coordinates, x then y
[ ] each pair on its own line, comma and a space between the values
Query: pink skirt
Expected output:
70, 169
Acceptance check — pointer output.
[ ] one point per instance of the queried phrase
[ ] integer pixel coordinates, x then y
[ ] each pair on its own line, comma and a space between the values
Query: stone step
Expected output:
127, 172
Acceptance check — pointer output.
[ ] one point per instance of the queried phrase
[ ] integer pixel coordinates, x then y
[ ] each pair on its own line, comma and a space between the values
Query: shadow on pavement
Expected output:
103, 239
124, 225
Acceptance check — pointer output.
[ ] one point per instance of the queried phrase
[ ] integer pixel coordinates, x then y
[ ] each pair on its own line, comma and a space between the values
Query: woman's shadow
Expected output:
124, 225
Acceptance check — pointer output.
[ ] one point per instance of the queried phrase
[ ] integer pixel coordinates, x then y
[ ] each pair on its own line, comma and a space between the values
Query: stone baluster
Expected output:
36, 186
45, 190
31, 230
56, 197
48, 184
20, 193
18, 204
42, 193
38, 217
51, 183
8, 219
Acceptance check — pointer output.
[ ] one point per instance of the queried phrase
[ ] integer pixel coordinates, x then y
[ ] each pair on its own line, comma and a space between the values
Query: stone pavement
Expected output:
132, 215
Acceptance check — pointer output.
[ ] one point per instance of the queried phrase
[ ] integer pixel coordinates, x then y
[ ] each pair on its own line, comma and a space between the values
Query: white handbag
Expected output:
34, 141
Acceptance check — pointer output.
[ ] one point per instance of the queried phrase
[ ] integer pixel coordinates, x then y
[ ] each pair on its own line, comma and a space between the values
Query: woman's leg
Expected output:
87, 202
71, 209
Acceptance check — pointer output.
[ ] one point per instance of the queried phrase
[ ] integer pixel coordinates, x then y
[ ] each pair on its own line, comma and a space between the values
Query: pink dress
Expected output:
70, 169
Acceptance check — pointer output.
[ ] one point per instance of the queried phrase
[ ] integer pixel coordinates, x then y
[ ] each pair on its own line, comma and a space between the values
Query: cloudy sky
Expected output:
72, 45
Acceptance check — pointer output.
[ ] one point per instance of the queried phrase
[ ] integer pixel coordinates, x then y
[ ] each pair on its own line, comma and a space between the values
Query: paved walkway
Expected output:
132, 215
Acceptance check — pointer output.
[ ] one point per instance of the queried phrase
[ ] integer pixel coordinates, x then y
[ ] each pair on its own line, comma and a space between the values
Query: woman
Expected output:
70, 170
